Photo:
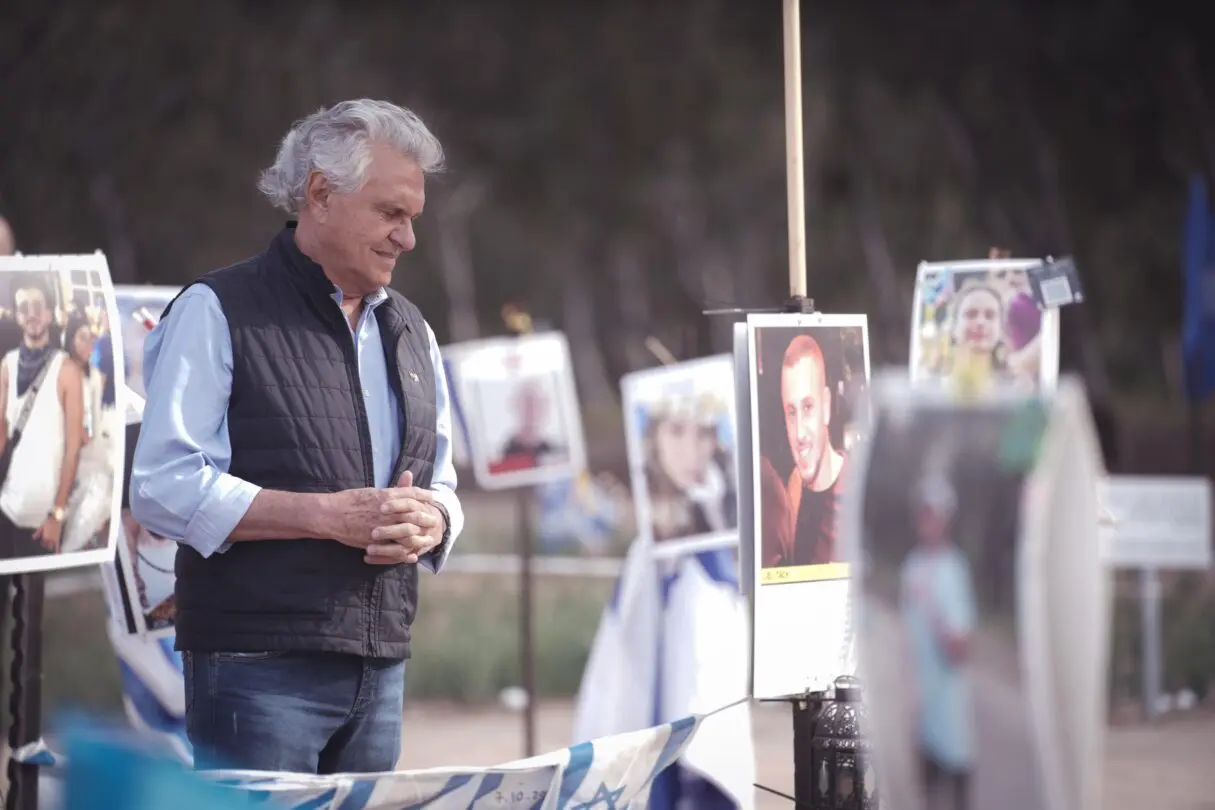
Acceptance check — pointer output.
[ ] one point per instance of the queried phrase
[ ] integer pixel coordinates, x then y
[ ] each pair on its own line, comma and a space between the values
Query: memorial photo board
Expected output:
680, 430
60, 365
978, 322
808, 375
962, 567
518, 399
142, 588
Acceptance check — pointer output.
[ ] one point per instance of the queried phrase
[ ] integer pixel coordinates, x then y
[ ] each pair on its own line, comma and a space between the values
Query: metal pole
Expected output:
25, 699
527, 656
806, 709
1149, 583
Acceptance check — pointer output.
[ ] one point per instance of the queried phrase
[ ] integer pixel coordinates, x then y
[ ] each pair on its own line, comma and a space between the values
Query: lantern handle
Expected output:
848, 688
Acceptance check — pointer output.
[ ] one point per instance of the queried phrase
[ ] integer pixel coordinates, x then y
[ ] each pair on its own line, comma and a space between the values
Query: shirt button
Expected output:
366, 393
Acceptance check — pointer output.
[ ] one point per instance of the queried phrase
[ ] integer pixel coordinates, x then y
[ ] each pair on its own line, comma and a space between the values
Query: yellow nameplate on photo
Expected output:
804, 573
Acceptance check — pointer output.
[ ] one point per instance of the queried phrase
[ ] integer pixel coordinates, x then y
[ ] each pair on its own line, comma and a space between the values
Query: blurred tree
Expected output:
620, 167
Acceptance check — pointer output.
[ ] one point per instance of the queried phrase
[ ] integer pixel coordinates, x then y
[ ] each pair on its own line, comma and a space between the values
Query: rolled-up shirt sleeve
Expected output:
443, 481
180, 486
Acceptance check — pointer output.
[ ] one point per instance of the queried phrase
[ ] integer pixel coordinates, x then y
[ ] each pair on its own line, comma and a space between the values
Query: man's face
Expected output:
807, 403
33, 315
367, 230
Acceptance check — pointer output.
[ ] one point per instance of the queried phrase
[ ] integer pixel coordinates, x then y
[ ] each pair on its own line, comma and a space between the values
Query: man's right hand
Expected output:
357, 513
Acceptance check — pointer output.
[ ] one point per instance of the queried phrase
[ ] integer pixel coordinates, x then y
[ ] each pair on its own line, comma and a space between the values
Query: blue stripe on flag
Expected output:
488, 785
453, 784
359, 796
146, 704
582, 756
719, 566
173, 656
681, 730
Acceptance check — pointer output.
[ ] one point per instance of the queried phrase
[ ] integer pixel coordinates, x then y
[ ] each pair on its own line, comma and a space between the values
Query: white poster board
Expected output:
979, 320
139, 309
981, 600
680, 433
808, 375
1156, 522
518, 397
57, 347
141, 591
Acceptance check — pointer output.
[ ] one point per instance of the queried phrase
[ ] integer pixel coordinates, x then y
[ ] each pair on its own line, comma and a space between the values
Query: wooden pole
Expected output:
795, 164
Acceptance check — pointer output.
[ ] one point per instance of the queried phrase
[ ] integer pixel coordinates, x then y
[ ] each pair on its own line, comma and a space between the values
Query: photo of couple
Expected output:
62, 441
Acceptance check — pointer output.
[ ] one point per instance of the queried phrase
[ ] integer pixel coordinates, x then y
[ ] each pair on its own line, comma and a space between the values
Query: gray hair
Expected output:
336, 142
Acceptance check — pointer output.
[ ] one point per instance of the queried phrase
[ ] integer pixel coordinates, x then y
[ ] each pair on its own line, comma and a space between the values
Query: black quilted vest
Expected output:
297, 422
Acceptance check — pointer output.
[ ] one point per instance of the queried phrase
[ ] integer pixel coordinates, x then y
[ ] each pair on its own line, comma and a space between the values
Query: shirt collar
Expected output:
370, 301
311, 273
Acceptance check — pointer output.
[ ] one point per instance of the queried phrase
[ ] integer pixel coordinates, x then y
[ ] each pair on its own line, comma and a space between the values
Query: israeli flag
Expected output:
673, 642
105, 770
153, 688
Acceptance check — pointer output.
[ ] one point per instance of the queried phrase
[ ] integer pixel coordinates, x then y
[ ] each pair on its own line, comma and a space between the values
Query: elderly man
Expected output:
296, 442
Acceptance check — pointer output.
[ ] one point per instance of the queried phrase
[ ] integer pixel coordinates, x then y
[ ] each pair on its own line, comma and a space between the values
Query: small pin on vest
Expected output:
413, 376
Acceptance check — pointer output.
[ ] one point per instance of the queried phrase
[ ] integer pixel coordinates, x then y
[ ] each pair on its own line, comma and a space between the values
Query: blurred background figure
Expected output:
939, 613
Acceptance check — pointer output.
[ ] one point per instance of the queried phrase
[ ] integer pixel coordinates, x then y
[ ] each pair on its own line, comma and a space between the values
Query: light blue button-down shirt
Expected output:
180, 485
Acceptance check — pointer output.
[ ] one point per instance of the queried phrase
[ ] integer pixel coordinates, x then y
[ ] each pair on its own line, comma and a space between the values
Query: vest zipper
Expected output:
352, 368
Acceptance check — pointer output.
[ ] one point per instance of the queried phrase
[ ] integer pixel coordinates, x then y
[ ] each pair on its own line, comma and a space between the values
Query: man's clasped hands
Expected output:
391, 525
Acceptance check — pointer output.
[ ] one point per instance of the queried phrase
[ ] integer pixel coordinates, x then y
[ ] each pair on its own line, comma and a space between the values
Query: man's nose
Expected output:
404, 237
803, 430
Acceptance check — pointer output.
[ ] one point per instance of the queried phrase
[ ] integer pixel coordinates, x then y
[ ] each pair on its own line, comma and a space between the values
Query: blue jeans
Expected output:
302, 712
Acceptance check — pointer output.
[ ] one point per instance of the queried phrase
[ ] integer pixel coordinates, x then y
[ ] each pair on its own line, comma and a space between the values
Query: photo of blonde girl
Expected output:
977, 323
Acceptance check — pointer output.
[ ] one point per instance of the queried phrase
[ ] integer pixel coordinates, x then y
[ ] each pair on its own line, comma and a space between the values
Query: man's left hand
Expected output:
48, 534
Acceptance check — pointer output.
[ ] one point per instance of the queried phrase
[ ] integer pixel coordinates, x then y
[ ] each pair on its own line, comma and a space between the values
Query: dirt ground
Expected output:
1168, 765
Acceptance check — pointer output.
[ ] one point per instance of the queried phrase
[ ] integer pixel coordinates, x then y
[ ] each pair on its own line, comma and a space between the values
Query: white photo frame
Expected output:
143, 563
70, 281
501, 378
681, 436
136, 303
1018, 342
1074, 590
801, 634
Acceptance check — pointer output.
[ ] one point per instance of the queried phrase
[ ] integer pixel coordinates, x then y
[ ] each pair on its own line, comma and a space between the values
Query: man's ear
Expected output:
316, 194
827, 402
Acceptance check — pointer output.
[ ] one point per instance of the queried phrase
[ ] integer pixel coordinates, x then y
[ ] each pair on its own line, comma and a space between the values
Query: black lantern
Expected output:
843, 776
